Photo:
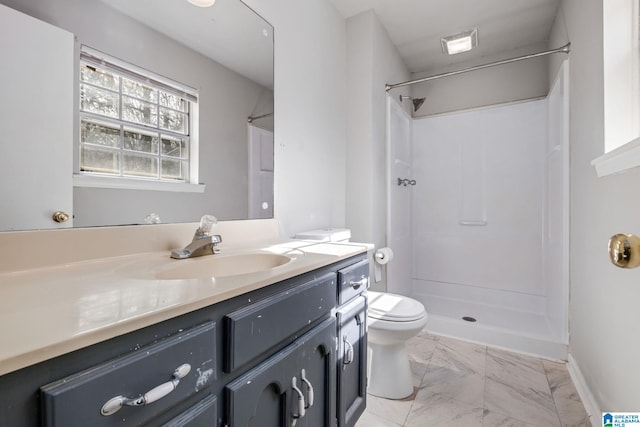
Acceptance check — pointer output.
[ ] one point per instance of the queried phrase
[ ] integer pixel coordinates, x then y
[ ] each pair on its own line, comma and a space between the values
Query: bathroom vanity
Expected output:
287, 353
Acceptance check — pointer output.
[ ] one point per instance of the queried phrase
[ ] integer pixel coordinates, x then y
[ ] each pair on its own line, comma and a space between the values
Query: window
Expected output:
133, 123
620, 45
621, 56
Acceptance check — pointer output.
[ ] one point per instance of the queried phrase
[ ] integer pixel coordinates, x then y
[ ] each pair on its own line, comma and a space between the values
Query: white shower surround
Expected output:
490, 221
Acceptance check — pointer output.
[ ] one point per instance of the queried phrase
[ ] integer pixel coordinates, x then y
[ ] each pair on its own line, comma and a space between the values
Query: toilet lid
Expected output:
395, 308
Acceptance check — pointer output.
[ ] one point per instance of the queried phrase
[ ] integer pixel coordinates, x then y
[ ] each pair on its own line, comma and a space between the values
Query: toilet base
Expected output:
389, 373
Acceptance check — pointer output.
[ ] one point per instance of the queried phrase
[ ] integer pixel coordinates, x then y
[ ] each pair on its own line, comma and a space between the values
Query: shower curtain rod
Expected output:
250, 119
563, 49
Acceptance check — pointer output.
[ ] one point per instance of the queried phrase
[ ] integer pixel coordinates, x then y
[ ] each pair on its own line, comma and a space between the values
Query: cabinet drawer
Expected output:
202, 414
267, 324
353, 280
78, 400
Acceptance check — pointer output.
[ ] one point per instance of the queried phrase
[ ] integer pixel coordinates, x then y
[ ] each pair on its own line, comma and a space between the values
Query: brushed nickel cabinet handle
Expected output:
114, 404
356, 284
301, 405
348, 355
303, 378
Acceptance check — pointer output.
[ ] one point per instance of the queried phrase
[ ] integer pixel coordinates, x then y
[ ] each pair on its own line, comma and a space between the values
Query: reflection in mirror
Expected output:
224, 53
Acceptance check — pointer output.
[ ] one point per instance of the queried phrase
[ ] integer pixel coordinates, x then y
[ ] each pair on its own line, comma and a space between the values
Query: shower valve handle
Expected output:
406, 181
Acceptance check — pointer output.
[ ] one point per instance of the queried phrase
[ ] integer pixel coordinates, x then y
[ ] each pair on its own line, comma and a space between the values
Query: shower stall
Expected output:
488, 254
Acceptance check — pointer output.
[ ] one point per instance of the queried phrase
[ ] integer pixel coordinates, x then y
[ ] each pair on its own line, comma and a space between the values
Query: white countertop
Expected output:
46, 312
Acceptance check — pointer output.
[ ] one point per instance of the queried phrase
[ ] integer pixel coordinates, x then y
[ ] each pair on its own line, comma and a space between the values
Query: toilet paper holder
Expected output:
383, 255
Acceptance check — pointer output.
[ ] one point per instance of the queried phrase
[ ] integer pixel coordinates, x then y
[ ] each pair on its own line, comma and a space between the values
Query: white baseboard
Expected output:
588, 400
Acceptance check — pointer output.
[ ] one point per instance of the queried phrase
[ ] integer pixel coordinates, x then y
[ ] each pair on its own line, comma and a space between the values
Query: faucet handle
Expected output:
206, 224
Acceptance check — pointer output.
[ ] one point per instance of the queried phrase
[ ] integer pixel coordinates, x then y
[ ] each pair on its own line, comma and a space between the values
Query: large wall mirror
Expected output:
225, 52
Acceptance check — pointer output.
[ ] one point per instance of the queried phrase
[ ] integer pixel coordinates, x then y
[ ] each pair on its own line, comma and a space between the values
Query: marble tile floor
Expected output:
464, 384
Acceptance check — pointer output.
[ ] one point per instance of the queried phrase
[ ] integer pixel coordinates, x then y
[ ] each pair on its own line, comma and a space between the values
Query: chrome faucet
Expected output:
203, 243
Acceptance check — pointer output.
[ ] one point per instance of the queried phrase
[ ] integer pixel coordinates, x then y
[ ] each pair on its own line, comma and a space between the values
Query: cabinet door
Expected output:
317, 358
352, 361
265, 396
36, 140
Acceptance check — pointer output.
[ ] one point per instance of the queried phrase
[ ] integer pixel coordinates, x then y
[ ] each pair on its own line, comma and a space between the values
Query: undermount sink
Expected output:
221, 266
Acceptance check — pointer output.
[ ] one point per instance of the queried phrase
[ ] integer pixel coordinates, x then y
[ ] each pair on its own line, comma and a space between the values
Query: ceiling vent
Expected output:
458, 43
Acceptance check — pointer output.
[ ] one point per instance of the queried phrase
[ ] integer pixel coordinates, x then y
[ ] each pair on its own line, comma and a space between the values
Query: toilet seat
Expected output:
394, 308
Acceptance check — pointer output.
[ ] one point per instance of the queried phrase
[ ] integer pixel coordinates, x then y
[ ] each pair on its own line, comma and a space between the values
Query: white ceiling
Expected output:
416, 26
228, 32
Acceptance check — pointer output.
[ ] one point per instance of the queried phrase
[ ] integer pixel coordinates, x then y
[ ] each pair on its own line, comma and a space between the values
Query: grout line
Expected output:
406, 418
553, 397
485, 349
484, 385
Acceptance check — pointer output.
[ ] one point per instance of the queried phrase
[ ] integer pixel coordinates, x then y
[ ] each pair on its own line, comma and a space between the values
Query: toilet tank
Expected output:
325, 235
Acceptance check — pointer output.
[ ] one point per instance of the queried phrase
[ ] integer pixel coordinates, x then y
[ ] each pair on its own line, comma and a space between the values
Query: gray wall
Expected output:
226, 100
604, 315
310, 112
310, 86
490, 86
372, 61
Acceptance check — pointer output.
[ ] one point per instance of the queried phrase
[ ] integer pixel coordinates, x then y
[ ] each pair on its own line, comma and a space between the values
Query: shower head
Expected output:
417, 102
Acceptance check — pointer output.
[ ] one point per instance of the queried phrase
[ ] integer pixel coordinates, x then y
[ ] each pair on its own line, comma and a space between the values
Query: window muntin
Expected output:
131, 123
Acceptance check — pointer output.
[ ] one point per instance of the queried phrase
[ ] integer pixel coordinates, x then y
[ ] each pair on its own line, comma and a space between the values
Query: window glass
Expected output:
621, 76
132, 124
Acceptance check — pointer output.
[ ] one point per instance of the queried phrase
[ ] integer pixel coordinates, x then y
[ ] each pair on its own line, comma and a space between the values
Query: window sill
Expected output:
93, 181
619, 160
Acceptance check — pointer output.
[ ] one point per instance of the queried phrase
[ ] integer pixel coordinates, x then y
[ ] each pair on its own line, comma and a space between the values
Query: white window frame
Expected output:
621, 58
127, 70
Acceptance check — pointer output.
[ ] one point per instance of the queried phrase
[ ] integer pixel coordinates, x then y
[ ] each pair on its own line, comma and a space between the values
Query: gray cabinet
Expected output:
353, 281
254, 359
295, 387
352, 361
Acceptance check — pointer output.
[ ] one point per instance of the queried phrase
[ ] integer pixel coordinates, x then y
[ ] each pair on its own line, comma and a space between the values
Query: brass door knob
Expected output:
60, 216
624, 250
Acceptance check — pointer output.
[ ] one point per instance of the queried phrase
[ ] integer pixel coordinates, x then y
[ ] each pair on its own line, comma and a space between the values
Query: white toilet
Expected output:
392, 320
